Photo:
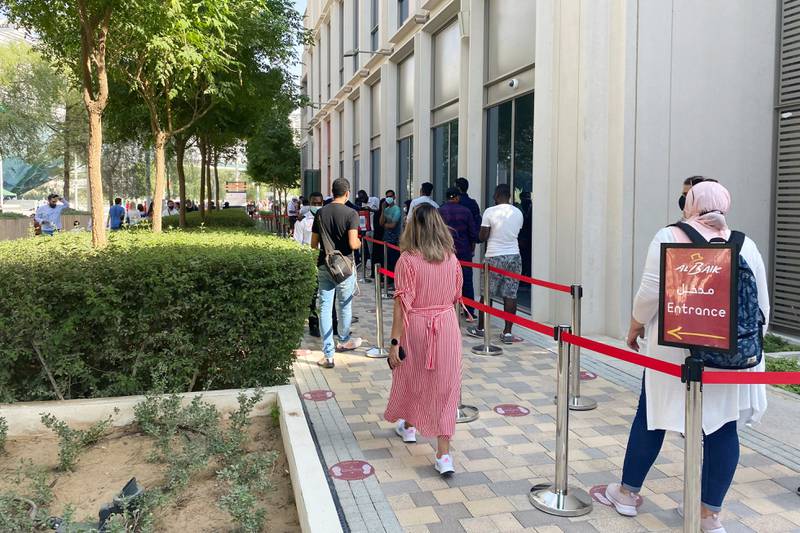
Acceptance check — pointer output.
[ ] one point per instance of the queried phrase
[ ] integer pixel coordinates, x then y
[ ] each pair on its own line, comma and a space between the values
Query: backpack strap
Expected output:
737, 239
690, 232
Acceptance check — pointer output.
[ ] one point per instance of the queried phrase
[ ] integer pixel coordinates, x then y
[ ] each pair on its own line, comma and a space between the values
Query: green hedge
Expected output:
223, 218
8, 215
169, 312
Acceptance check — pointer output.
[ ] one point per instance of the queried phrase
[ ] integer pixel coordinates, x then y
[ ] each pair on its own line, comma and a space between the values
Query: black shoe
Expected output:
355, 320
314, 331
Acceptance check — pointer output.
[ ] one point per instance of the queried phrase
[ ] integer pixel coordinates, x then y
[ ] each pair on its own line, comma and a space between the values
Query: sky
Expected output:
300, 6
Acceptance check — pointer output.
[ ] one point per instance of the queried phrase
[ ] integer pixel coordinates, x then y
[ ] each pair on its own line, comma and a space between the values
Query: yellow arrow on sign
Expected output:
678, 333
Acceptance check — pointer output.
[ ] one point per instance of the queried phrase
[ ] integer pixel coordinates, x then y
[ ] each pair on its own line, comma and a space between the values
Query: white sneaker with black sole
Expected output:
444, 465
407, 434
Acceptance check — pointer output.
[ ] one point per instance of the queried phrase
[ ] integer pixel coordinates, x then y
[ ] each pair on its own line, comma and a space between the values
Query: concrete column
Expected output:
471, 145
389, 126
365, 103
349, 31
388, 20
324, 48
325, 144
423, 80
348, 141
463, 91
336, 51
335, 145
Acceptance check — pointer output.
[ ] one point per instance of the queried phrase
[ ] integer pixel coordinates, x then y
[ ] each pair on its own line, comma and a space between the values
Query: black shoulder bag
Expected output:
340, 267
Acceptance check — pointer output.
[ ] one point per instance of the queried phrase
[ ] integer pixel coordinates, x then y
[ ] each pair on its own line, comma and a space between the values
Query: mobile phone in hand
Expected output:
401, 355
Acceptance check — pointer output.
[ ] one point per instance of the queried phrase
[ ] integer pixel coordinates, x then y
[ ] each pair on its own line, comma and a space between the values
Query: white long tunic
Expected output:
666, 394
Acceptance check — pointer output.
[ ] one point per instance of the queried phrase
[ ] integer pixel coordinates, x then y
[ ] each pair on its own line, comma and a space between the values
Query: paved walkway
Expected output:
498, 458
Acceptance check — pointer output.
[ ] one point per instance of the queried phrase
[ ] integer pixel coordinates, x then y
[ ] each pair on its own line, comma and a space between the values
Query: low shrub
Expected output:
783, 364
7, 215
775, 344
224, 218
173, 312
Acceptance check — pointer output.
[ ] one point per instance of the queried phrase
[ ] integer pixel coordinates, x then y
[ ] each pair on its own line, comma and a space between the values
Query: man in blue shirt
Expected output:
466, 201
48, 216
116, 215
465, 234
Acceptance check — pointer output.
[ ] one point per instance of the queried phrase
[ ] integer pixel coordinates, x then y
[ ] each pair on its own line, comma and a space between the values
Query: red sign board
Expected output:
697, 306
364, 223
508, 409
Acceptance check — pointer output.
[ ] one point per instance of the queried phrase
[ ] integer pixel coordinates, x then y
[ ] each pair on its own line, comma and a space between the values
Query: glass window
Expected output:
446, 64
511, 36
405, 90
341, 168
405, 162
375, 26
375, 172
328, 74
357, 174
509, 159
445, 158
402, 12
356, 122
376, 109
356, 31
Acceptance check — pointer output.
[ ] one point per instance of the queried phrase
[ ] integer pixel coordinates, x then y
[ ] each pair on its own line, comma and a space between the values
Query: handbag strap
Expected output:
327, 243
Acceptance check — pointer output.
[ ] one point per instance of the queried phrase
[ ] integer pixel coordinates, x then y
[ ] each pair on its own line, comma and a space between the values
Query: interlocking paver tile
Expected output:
498, 458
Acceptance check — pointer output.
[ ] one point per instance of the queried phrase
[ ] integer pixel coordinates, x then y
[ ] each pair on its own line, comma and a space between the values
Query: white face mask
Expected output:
314, 209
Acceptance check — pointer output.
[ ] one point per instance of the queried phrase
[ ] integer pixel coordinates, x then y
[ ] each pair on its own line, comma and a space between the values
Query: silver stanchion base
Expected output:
480, 349
466, 413
377, 353
581, 403
575, 502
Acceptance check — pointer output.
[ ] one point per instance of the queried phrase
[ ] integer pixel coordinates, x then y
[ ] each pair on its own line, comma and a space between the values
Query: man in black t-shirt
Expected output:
336, 225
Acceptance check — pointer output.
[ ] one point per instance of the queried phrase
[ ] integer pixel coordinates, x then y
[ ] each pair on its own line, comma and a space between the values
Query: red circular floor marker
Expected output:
598, 494
587, 376
351, 470
509, 409
319, 395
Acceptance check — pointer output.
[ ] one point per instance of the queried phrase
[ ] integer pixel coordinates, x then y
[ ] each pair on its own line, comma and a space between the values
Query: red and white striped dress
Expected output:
426, 385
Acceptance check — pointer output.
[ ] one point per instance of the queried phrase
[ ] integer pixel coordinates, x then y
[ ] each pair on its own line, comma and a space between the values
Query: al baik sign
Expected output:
697, 306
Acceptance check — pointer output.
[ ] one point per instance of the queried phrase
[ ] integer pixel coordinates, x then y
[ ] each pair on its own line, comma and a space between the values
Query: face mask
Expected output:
389, 200
314, 209
682, 202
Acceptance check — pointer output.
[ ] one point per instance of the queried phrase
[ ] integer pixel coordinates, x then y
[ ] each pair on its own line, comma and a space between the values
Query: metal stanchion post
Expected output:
576, 401
364, 278
486, 348
693, 444
465, 413
385, 264
378, 351
559, 499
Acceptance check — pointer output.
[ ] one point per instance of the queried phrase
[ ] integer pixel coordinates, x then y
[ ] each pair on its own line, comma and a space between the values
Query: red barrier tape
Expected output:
387, 273
518, 320
624, 355
533, 281
470, 265
752, 378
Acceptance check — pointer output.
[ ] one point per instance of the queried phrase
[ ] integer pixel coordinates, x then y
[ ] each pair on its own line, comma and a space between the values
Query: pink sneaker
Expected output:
625, 504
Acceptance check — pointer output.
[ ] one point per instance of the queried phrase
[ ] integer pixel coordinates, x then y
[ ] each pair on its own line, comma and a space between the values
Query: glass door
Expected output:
405, 162
445, 159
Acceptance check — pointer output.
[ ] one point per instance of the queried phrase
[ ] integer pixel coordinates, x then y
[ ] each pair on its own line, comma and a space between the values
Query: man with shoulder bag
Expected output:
335, 233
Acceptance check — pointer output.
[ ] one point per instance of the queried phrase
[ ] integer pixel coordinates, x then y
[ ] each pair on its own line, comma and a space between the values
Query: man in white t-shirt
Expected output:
424, 197
500, 229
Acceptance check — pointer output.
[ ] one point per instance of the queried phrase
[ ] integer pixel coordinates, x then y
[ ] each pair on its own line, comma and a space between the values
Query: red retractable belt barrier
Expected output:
533, 281
752, 378
520, 321
470, 265
370, 239
387, 273
624, 355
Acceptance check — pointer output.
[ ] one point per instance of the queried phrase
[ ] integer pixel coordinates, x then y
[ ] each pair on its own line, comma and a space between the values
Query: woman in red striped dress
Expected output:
427, 382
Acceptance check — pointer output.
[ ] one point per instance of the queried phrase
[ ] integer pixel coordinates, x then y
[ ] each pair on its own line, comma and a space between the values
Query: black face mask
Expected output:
682, 202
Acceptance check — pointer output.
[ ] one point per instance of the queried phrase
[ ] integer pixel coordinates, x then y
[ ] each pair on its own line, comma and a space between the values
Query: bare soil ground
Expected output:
104, 469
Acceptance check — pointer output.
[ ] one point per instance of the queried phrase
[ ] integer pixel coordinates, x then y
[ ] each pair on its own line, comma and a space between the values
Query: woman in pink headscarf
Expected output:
661, 403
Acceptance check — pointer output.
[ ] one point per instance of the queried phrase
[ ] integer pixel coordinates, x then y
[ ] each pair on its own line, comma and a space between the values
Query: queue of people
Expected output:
425, 345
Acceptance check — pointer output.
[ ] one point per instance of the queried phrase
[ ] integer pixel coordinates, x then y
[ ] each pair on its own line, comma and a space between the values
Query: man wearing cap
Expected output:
465, 234
48, 216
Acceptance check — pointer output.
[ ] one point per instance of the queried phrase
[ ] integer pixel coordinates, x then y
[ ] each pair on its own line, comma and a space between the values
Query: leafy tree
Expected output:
75, 33
272, 156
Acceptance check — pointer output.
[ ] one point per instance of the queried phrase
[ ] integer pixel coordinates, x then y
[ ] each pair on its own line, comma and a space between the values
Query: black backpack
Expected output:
750, 319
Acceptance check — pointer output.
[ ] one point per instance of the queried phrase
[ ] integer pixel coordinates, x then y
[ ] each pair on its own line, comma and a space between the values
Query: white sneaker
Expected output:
444, 465
625, 504
408, 435
353, 344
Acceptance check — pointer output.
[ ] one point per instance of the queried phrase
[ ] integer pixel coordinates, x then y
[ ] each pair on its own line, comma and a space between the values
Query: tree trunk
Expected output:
216, 176
160, 146
93, 169
202, 178
208, 177
67, 165
180, 153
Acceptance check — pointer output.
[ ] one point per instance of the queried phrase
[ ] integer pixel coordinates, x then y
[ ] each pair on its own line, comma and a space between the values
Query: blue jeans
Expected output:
720, 457
344, 309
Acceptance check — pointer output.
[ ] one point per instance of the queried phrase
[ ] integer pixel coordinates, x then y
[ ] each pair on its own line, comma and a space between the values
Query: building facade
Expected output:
593, 112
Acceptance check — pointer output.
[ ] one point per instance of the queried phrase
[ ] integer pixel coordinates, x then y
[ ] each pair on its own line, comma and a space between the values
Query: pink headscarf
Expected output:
707, 203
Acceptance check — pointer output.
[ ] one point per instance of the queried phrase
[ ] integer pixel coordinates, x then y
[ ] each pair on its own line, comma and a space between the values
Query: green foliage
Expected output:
774, 344
783, 364
172, 312
221, 218
11, 215
3, 434
275, 415
71, 442
272, 156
